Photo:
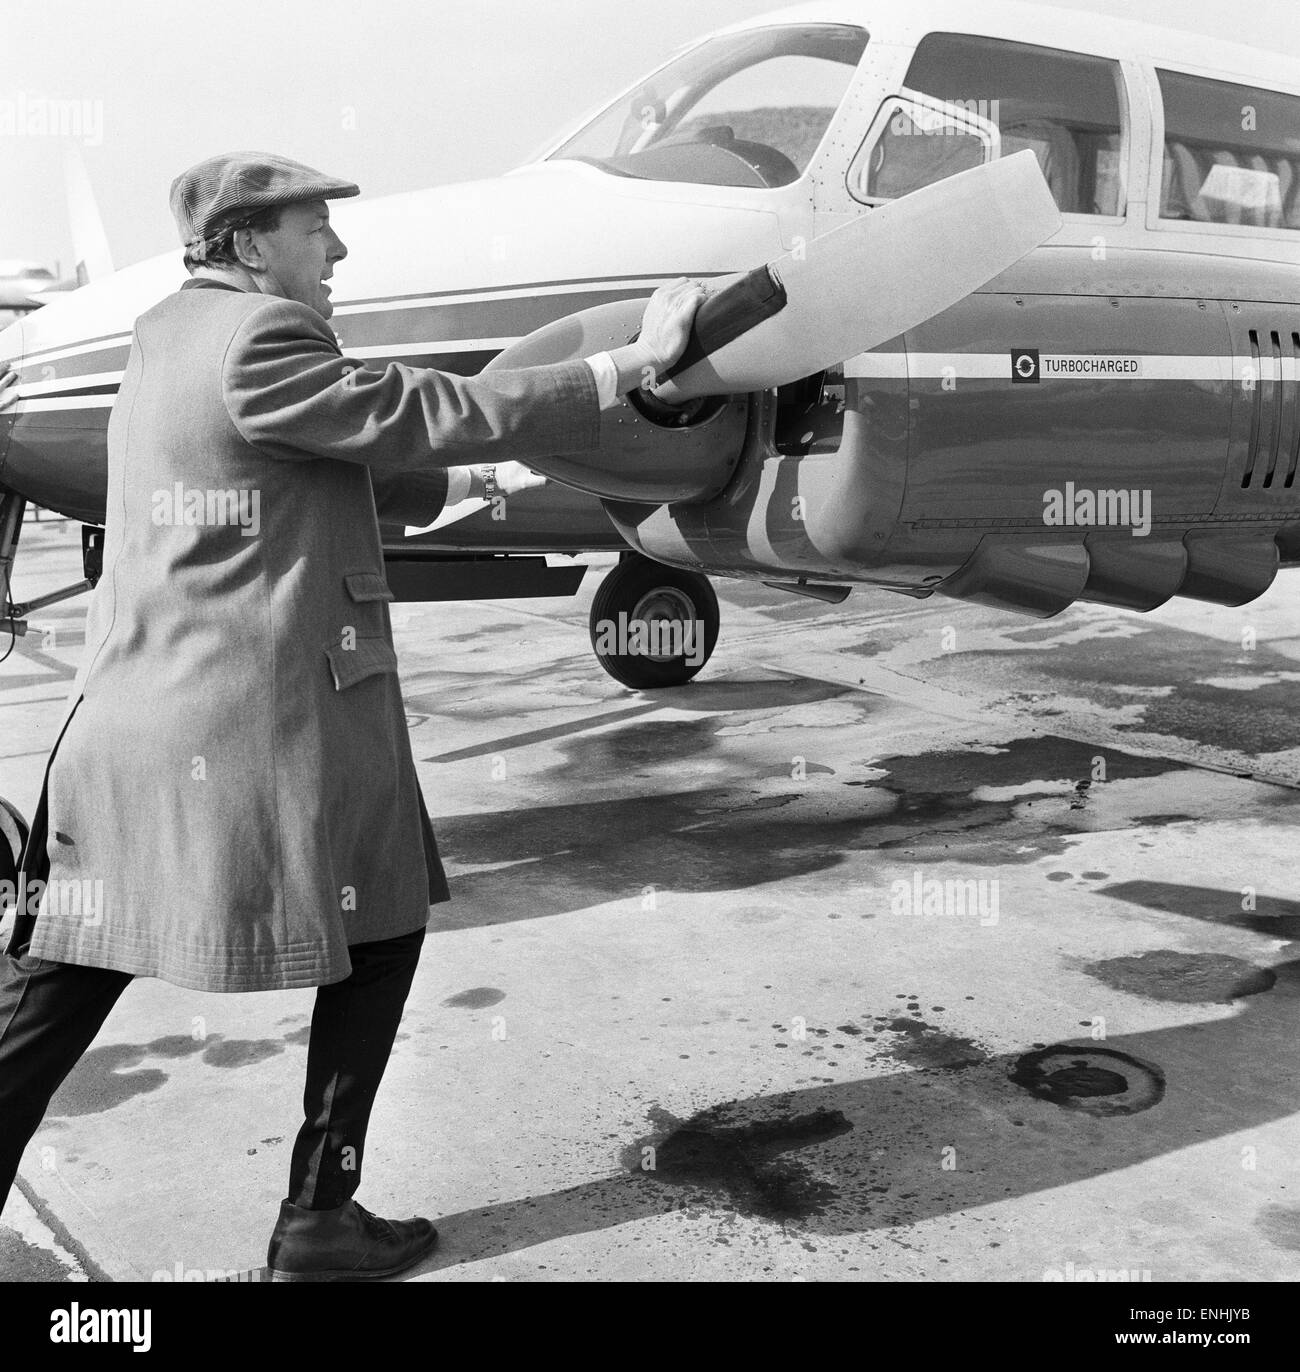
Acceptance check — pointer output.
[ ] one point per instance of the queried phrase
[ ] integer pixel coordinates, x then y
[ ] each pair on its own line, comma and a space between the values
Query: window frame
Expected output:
1156, 161
549, 151
984, 129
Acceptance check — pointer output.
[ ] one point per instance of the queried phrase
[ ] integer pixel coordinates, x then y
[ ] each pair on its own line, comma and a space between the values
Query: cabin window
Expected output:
1063, 105
1232, 153
744, 109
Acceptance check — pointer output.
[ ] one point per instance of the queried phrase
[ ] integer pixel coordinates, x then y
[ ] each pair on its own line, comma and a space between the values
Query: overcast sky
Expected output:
395, 94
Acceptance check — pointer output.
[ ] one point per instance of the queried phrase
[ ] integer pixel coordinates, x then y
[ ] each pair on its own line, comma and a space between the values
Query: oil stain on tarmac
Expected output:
1101, 1082
919, 1044
750, 1166
476, 998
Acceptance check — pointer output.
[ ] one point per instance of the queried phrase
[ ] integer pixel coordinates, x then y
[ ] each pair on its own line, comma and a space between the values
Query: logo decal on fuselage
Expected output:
1024, 365
1028, 366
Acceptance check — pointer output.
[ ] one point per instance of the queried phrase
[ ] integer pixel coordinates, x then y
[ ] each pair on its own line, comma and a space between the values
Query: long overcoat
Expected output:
232, 800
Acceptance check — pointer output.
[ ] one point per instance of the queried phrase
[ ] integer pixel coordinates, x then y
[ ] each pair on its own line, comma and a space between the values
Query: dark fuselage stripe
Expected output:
513, 316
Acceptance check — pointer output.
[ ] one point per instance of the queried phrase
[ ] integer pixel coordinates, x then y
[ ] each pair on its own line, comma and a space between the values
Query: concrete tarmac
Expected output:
911, 941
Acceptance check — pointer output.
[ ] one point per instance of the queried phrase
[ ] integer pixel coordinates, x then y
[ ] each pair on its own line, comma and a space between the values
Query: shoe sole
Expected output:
358, 1274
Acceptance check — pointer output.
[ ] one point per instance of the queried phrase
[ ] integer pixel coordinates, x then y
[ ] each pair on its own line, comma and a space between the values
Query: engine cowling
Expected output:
650, 453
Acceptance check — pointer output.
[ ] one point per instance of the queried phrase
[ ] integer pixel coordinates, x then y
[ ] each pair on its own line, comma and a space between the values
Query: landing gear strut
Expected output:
653, 626
13, 615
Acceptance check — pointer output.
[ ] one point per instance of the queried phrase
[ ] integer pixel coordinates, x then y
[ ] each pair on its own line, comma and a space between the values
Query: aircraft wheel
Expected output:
13, 835
653, 626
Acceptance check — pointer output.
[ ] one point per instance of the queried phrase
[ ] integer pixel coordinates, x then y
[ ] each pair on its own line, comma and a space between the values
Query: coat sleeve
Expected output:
292, 394
403, 498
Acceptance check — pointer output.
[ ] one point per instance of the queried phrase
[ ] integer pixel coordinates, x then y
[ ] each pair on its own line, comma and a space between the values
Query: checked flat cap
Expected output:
213, 193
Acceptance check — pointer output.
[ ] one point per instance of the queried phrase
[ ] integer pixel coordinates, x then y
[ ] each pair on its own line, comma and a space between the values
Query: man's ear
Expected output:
247, 251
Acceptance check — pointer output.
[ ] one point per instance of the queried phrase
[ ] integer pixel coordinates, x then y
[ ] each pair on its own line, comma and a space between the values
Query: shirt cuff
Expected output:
457, 485
606, 373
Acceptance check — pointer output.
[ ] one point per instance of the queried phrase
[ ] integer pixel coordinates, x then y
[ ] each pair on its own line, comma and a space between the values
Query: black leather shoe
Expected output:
344, 1244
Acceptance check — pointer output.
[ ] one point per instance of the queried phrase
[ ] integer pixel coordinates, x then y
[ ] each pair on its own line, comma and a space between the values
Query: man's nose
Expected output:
338, 249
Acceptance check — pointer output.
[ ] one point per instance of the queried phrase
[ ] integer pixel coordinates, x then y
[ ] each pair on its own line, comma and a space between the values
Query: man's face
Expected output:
300, 255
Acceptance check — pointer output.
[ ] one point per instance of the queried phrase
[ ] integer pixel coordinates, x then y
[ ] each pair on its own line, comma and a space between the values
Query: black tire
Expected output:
682, 604
13, 835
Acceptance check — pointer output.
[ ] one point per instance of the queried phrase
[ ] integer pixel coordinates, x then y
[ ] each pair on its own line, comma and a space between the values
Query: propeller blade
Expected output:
874, 278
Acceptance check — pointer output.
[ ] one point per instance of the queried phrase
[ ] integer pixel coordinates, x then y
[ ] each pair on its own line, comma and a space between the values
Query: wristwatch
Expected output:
490, 488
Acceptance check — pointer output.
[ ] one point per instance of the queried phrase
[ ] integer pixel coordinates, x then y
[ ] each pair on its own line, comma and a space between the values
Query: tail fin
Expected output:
89, 242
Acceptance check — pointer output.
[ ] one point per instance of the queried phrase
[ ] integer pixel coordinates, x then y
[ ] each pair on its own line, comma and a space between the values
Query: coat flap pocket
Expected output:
368, 657
363, 586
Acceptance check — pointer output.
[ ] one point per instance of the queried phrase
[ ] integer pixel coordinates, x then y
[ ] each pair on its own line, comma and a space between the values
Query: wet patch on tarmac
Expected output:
941, 790
241, 1052
1248, 718
174, 1046
100, 1080
476, 998
1101, 1082
1187, 978
750, 1166
484, 627
1280, 1225
727, 708
931, 805
657, 742
1038, 763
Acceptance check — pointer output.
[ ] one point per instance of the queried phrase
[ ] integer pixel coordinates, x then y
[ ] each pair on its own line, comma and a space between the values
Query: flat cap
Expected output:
212, 193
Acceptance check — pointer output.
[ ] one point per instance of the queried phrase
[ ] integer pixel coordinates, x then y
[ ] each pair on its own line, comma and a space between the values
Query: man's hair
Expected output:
218, 250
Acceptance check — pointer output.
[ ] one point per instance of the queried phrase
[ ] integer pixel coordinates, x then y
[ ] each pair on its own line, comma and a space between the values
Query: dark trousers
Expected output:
51, 1011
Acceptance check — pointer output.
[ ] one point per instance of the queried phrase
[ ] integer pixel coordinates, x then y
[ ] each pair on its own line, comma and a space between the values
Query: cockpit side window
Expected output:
913, 142
744, 109
1063, 105
1232, 154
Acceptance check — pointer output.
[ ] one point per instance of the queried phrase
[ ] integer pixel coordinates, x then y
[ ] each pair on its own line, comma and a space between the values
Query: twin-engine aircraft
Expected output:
1110, 414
